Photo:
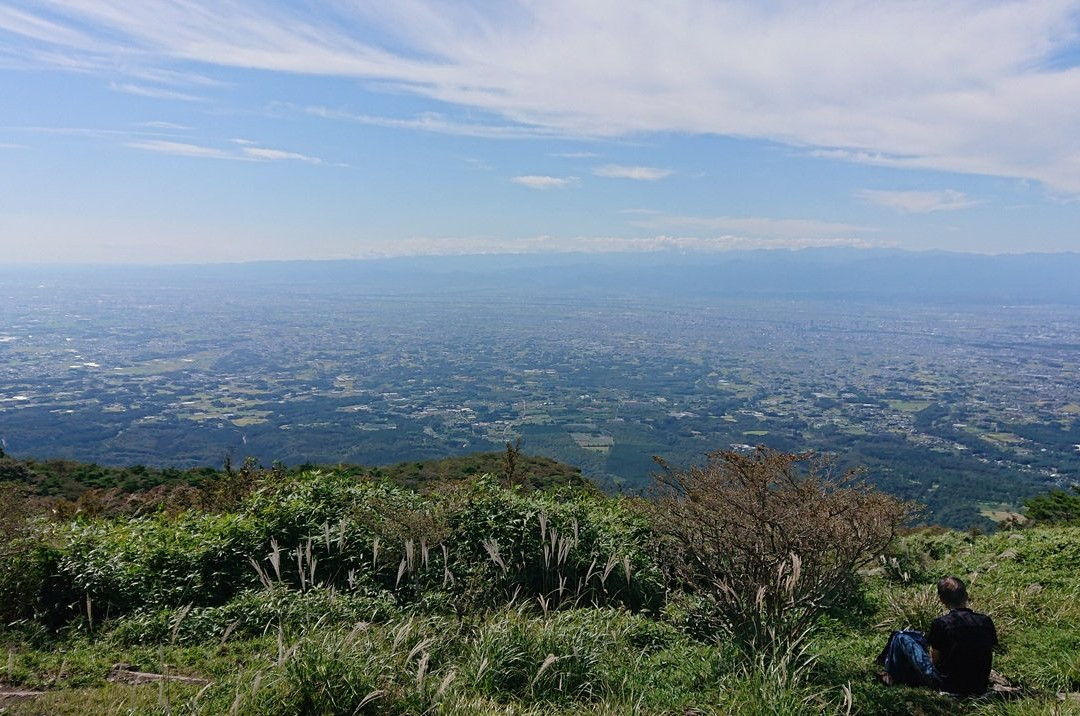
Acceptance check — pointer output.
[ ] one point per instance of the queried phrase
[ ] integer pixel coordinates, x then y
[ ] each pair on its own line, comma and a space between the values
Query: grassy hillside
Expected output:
329, 593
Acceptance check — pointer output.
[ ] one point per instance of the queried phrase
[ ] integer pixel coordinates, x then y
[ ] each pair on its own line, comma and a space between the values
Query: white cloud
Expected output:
246, 152
278, 155
13, 146
691, 234
968, 86
154, 92
576, 155
450, 246
918, 202
478, 163
756, 226
164, 125
38, 28
72, 131
618, 171
170, 77
181, 149
543, 182
434, 122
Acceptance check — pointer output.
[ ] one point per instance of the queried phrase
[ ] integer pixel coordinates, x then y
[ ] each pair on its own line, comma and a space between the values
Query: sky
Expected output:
202, 131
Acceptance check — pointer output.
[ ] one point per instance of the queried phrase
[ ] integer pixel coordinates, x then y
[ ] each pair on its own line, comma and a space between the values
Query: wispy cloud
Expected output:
434, 122
450, 246
919, 202
158, 75
756, 226
619, 171
181, 149
13, 146
164, 125
544, 182
34, 26
246, 152
576, 155
154, 92
278, 155
478, 163
944, 86
74, 131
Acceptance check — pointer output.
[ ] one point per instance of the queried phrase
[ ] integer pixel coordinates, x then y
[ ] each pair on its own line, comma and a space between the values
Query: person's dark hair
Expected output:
952, 592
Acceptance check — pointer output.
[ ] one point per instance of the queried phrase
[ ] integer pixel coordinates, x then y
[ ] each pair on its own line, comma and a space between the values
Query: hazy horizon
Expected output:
557, 256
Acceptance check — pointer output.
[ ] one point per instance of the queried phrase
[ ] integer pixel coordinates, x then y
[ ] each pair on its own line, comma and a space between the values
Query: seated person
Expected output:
955, 656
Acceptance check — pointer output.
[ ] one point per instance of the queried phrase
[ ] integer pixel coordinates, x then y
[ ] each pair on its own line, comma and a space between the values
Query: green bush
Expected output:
1056, 507
28, 588
555, 547
477, 547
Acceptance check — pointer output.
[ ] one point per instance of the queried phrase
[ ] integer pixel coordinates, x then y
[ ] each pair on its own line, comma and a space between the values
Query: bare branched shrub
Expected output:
770, 538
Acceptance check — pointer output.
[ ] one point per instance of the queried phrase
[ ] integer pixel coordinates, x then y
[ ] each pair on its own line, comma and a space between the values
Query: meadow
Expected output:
324, 592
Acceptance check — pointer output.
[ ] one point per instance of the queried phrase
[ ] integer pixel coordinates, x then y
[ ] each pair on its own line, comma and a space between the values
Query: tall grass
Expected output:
328, 595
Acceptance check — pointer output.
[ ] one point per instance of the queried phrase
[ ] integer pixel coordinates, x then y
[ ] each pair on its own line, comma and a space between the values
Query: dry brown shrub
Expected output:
770, 538
226, 490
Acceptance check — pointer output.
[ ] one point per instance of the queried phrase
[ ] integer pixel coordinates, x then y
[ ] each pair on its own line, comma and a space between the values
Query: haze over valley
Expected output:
960, 402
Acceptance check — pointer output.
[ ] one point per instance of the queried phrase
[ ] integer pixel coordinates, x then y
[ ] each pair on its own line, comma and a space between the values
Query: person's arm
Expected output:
934, 639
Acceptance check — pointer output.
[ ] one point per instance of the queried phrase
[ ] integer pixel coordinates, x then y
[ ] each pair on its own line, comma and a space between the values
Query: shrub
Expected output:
26, 559
560, 549
1056, 507
771, 539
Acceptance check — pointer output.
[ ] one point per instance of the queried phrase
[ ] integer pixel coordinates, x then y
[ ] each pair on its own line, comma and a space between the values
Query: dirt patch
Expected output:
124, 674
10, 696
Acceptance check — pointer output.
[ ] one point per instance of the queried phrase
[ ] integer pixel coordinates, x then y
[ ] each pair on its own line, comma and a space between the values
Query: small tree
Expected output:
770, 538
511, 459
1057, 507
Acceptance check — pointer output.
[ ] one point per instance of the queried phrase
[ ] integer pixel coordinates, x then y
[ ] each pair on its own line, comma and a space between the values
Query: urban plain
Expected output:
966, 407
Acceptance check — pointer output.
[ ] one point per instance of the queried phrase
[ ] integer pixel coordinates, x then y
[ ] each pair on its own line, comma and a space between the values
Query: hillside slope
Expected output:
325, 593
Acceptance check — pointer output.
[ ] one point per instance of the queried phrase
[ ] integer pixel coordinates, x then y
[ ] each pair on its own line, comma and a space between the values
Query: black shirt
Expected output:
964, 641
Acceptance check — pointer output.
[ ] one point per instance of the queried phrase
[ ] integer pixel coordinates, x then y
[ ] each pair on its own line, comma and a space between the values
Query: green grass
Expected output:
588, 628
910, 406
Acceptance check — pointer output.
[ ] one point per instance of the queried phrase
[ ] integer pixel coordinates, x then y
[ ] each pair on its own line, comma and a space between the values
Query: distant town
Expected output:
967, 408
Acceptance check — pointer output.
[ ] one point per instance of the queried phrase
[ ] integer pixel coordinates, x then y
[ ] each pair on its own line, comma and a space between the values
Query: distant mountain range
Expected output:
867, 274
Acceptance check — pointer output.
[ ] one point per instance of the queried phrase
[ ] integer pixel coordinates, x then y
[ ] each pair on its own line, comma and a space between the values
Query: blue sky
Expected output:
163, 131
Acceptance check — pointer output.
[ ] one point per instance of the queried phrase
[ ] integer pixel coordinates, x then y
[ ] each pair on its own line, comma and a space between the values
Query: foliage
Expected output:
300, 596
140, 488
1057, 507
455, 551
555, 548
25, 555
14, 512
771, 539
